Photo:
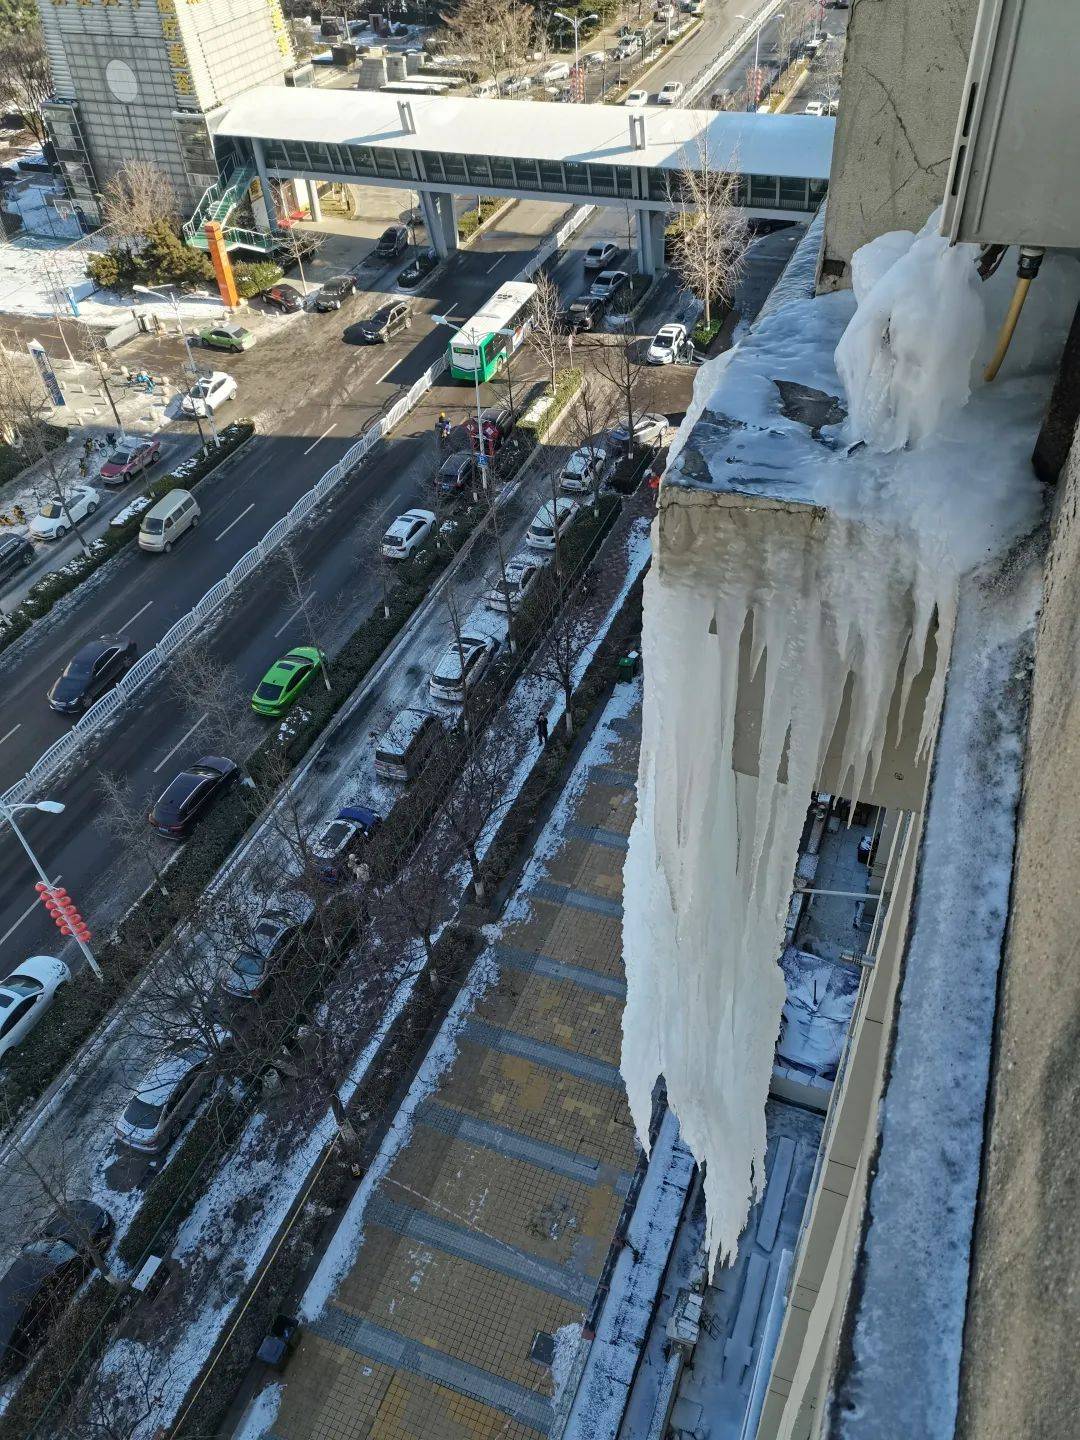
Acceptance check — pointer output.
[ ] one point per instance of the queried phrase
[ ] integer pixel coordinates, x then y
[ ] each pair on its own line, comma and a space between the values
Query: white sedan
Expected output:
460, 666
25, 996
584, 470
668, 346
208, 393
57, 517
636, 98
550, 523
406, 533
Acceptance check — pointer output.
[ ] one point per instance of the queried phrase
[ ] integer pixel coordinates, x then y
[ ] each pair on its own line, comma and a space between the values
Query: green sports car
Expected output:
227, 337
286, 679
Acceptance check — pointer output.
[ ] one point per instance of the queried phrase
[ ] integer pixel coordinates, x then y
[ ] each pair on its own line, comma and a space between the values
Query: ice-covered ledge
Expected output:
832, 535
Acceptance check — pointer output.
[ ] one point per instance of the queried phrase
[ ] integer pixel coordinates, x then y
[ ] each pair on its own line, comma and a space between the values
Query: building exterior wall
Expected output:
904, 69
1021, 1371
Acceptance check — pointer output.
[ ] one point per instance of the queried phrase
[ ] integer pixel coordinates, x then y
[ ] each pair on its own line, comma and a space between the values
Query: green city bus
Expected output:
494, 332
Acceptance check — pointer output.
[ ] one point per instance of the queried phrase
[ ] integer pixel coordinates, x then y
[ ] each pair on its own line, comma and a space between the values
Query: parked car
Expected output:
56, 518
191, 794
345, 834
134, 454
208, 393
522, 574
454, 473
664, 12
584, 315
816, 107
227, 337
165, 1097
461, 666
406, 533
273, 938
559, 71
550, 523
92, 670
584, 470
378, 329
648, 429
394, 241
627, 49
668, 345
335, 292
285, 298
600, 255
420, 266
636, 98
43, 1277
406, 743
516, 84
496, 421
25, 996
16, 552
608, 284
286, 680
670, 93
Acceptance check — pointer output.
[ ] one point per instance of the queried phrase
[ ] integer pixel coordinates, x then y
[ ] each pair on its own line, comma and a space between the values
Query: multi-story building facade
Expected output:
140, 79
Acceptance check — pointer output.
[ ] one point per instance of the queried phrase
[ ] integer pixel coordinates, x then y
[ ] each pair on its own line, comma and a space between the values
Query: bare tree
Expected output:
137, 198
117, 1401
52, 1185
709, 247
212, 690
25, 82
495, 36
298, 245
479, 796
831, 65
593, 412
615, 360
121, 814
373, 528
298, 588
548, 336
791, 29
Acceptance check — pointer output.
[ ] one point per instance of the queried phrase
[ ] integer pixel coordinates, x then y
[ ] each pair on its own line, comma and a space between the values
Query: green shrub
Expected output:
254, 276
470, 222
704, 335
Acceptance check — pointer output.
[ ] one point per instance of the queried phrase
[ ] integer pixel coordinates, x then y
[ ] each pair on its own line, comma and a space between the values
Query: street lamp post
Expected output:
50, 807
757, 52
576, 21
174, 301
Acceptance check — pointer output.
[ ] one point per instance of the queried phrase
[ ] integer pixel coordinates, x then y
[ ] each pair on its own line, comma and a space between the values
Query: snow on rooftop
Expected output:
793, 145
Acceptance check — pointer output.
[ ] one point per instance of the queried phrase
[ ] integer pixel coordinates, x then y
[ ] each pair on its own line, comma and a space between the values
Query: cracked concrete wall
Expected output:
904, 69
1021, 1367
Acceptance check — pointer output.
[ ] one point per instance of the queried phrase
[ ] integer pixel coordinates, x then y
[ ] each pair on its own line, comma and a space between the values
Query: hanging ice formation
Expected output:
840, 568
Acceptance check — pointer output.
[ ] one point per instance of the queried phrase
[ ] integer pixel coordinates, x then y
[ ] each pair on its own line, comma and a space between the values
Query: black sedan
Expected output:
378, 329
583, 315
418, 268
285, 298
191, 794
91, 671
335, 292
394, 241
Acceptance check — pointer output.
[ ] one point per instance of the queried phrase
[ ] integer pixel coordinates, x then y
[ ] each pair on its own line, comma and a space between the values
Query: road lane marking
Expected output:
235, 522
10, 732
494, 265
322, 436
28, 911
182, 741
132, 620
383, 376
298, 611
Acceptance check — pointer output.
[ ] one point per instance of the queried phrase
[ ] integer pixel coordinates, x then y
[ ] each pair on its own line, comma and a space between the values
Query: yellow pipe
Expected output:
1016, 304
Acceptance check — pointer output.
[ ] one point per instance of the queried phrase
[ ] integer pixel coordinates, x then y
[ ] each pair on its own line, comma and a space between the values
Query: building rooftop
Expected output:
784, 145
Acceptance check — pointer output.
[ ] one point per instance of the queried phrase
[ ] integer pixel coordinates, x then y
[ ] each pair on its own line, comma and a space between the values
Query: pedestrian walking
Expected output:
542, 728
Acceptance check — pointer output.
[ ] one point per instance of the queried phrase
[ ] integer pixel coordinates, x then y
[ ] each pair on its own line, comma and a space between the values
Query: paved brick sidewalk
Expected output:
493, 1222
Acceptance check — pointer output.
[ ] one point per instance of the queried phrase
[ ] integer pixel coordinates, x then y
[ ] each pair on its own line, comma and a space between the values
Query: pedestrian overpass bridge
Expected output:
598, 154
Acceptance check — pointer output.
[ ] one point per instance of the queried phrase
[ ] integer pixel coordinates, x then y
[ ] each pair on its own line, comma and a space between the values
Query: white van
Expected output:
163, 525
560, 71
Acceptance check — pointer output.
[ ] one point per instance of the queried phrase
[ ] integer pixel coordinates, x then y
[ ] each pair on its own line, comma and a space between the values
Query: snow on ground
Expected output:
713, 850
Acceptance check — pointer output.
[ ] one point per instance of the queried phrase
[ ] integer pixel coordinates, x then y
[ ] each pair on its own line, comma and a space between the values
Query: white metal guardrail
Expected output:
705, 77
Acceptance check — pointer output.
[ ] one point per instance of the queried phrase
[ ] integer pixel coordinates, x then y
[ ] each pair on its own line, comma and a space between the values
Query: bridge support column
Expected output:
650, 241
264, 185
440, 221
314, 207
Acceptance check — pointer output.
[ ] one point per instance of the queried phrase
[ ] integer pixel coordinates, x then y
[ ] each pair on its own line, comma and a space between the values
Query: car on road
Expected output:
496, 421
133, 455
166, 1096
550, 523
671, 92
25, 996
406, 533
636, 98
418, 268
16, 553
522, 574
208, 393
668, 345
460, 666
92, 670
44, 1276
285, 298
189, 795
56, 518
378, 329
273, 939
648, 428
335, 292
286, 680
350, 828
600, 255
584, 315
234, 338
454, 473
394, 241
608, 284
584, 470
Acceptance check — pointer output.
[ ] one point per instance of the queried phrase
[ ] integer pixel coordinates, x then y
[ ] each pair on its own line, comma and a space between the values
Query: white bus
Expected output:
494, 332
